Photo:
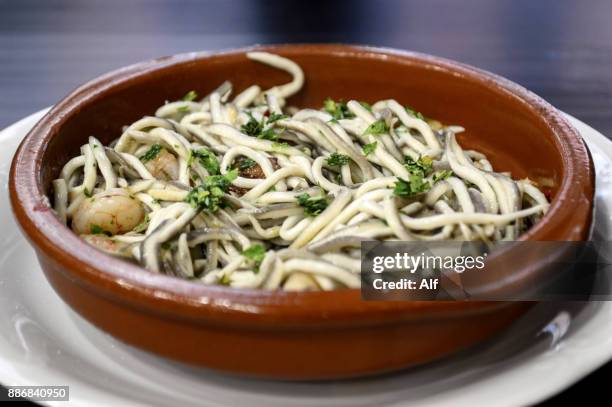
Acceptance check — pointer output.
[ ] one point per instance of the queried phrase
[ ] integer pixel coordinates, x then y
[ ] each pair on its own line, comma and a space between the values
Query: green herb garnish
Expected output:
338, 160
206, 158
257, 129
252, 128
414, 185
366, 106
441, 175
368, 149
210, 195
414, 113
338, 109
87, 192
246, 163
416, 182
268, 134
142, 226
255, 253
190, 96
313, 205
98, 230
274, 117
184, 108
422, 167
152, 153
377, 128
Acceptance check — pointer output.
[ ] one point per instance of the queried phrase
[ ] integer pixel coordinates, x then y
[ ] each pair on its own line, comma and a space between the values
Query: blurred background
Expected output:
559, 49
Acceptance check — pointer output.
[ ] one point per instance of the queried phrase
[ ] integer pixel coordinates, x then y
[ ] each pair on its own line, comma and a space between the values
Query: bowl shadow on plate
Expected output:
540, 330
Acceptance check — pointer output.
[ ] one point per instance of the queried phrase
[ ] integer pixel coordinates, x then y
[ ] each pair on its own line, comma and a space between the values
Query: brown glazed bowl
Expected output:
309, 335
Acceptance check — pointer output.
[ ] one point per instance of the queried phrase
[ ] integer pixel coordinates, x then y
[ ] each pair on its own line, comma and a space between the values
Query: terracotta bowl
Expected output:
311, 335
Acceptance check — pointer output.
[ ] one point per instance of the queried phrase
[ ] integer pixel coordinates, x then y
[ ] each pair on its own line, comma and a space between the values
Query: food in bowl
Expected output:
251, 192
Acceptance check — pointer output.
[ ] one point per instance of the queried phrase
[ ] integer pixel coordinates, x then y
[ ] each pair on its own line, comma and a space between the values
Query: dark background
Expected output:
561, 50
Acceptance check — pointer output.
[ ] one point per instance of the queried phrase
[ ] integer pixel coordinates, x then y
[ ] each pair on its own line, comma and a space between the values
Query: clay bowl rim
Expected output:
122, 281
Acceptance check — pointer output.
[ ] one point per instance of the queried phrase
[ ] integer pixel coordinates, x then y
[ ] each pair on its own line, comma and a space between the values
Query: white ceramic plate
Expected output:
43, 342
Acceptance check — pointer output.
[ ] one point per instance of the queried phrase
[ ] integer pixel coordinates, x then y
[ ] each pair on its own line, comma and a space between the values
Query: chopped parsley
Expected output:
252, 128
414, 185
417, 183
268, 134
98, 230
274, 117
184, 108
142, 226
376, 128
441, 175
414, 113
87, 192
246, 163
338, 160
257, 129
422, 167
368, 149
190, 96
210, 195
338, 109
366, 106
255, 253
207, 159
152, 153
313, 205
